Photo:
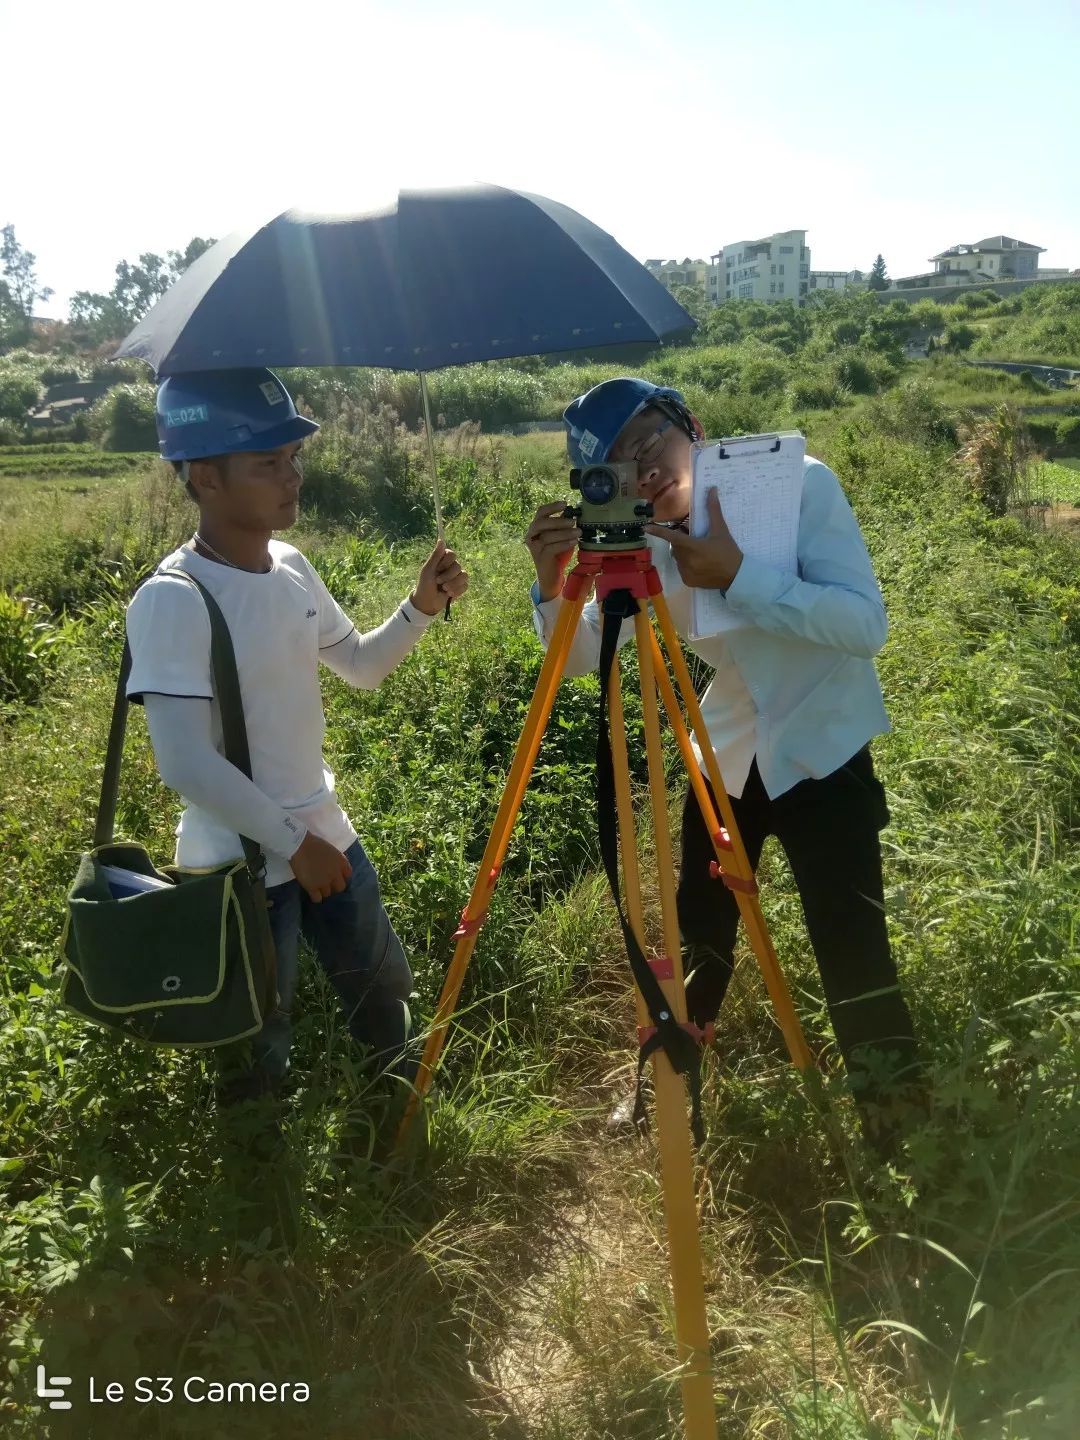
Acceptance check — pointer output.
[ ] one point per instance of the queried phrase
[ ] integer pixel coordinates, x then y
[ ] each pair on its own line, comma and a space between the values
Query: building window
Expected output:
781, 287
804, 271
787, 249
772, 287
772, 269
745, 292
781, 269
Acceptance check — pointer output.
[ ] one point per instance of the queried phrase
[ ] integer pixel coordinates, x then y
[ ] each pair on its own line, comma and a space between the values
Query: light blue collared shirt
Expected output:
795, 684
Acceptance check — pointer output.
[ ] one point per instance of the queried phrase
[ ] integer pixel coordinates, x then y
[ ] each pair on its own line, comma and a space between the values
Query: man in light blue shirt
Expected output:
789, 713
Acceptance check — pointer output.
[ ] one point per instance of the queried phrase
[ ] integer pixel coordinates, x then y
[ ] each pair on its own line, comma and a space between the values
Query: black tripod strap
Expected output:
679, 1047
233, 729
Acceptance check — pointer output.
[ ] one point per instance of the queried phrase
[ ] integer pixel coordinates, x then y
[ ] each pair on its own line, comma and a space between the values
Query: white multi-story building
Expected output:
775, 268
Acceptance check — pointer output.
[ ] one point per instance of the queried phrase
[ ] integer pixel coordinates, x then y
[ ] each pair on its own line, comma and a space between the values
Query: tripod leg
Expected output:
624, 806
528, 745
672, 1125
749, 905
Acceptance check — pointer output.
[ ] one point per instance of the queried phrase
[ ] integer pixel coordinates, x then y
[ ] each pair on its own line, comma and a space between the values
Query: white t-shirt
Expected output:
281, 623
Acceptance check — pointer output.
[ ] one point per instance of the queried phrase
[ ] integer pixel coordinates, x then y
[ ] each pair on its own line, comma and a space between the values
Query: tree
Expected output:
18, 289
878, 280
138, 286
693, 301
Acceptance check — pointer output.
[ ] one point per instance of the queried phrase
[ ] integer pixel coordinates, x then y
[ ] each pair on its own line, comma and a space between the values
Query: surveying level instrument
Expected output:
614, 558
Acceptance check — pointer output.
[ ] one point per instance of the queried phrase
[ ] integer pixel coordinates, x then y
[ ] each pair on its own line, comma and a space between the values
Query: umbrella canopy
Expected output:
444, 277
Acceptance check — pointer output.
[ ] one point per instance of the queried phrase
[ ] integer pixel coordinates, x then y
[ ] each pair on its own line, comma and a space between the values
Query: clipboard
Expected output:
759, 479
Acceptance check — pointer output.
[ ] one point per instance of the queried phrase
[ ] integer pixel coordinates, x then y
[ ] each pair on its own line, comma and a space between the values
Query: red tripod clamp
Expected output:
470, 927
733, 882
631, 570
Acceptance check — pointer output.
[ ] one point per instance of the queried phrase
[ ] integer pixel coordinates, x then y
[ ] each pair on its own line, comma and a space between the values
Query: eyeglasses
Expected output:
652, 446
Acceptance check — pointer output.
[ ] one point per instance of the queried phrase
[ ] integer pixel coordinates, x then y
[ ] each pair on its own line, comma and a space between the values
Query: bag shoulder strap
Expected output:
233, 728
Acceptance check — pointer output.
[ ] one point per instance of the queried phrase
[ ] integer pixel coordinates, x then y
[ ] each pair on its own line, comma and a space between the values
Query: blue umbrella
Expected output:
442, 278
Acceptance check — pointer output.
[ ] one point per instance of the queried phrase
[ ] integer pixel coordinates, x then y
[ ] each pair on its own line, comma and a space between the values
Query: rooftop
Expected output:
993, 244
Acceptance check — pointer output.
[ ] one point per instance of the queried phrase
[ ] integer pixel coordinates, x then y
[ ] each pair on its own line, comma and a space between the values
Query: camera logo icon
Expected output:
54, 1397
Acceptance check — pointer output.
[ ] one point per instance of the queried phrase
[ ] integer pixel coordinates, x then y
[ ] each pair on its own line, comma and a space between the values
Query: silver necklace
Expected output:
218, 556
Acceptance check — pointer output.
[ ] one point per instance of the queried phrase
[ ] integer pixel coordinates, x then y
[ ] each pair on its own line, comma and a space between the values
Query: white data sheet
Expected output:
759, 479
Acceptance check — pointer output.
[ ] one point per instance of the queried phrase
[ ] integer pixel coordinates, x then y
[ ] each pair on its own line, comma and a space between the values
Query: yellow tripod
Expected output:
632, 570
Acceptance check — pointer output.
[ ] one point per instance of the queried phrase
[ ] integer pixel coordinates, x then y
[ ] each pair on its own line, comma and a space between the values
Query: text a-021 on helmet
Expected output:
187, 415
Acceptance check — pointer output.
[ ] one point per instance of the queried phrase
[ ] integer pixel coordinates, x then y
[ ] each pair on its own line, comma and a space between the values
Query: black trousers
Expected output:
829, 831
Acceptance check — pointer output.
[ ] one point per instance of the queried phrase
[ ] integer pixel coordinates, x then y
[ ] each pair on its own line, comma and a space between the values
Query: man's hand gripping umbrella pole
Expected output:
631, 579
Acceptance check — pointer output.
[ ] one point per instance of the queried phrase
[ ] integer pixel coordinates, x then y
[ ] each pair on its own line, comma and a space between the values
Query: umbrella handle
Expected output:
434, 467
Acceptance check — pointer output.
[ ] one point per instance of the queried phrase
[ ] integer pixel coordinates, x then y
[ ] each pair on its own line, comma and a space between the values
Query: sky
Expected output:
899, 128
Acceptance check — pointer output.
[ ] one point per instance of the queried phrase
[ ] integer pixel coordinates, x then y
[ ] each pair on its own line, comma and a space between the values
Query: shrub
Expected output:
124, 418
816, 388
61, 373
119, 372
861, 374
977, 300
959, 336
19, 392
732, 414
994, 456
361, 468
492, 395
914, 413
1068, 432
762, 375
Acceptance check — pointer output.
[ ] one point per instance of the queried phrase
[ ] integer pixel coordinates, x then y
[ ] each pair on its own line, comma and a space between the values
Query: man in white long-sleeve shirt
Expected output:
789, 713
235, 437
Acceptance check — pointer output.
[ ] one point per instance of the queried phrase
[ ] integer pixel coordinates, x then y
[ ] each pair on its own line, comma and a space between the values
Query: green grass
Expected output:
1058, 480
511, 1280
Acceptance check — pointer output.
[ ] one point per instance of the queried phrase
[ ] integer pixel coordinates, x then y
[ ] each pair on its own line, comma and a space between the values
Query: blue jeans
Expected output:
363, 958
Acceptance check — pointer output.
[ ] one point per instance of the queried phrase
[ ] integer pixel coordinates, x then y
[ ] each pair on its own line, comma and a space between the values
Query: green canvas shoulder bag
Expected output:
189, 963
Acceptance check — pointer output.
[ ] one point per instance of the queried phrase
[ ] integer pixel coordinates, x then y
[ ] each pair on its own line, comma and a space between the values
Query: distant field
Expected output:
35, 479
50, 461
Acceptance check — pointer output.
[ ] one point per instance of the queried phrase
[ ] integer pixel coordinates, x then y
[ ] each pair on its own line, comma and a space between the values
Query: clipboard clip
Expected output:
722, 454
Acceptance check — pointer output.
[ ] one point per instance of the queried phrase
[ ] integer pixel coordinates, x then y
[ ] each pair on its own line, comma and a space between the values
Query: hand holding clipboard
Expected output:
708, 561
758, 481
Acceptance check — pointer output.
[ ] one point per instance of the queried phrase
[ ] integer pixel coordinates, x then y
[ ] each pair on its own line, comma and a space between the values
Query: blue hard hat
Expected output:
220, 412
594, 419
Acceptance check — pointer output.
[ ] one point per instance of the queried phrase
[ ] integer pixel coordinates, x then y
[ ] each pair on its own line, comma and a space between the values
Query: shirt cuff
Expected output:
756, 585
414, 616
296, 832
544, 611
